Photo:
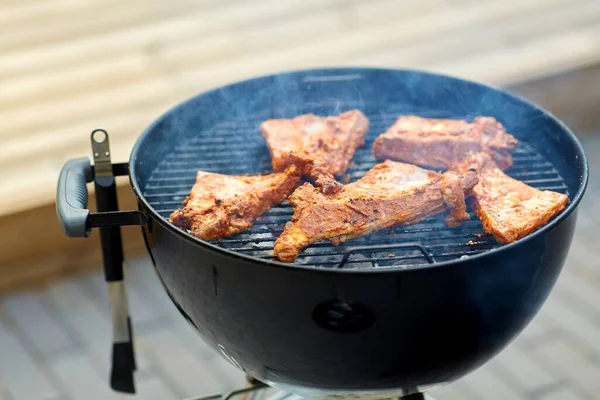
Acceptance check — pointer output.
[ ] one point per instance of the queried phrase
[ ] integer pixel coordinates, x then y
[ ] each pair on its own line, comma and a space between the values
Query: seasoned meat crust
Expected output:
322, 147
509, 209
222, 205
391, 193
439, 143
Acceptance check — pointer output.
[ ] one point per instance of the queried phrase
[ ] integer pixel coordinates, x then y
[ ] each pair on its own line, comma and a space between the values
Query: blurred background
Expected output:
70, 66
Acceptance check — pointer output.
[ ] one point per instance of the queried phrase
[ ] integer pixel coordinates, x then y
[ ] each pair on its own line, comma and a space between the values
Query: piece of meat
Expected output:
322, 147
390, 194
508, 208
222, 205
454, 198
439, 143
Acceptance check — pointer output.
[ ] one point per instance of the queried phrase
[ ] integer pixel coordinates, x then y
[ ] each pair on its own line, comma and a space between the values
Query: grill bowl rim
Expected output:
502, 249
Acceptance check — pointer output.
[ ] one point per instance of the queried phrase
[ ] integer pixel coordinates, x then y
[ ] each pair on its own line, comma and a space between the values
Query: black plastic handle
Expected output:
74, 217
72, 197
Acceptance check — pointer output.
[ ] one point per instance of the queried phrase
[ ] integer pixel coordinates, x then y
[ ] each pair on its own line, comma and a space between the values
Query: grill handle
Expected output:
375, 247
74, 217
72, 197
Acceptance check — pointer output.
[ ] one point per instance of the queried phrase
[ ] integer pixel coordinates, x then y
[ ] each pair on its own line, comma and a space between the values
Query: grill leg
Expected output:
414, 396
252, 380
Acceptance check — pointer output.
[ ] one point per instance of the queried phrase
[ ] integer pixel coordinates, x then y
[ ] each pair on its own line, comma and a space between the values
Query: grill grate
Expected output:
236, 147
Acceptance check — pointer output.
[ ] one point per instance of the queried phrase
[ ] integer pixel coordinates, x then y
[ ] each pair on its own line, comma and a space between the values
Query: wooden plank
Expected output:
28, 187
153, 35
540, 58
47, 87
74, 109
94, 19
71, 12
35, 384
347, 47
31, 11
513, 31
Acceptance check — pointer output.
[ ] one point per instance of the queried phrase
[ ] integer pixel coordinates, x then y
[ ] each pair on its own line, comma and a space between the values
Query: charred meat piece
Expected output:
439, 143
454, 199
222, 205
508, 208
322, 147
390, 194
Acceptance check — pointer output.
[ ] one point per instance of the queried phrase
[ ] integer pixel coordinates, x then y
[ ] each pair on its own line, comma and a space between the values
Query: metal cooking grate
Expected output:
236, 147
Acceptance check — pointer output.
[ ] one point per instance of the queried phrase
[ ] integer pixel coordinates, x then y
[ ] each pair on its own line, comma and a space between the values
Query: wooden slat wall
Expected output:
69, 66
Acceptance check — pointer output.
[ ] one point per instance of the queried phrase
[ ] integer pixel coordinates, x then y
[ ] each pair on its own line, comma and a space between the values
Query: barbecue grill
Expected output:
393, 313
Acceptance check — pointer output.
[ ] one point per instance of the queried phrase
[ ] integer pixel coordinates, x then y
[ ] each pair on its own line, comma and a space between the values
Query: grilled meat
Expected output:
508, 209
390, 194
222, 205
453, 197
322, 147
439, 143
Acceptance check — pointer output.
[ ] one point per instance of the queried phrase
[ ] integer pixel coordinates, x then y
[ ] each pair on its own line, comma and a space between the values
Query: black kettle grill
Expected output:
394, 313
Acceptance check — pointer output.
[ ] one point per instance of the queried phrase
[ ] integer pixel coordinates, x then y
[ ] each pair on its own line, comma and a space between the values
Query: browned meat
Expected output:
222, 205
509, 209
454, 199
390, 194
439, 143
322, 147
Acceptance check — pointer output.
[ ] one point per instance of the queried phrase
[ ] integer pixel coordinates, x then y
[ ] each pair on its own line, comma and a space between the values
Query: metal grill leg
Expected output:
414, 396
255, 386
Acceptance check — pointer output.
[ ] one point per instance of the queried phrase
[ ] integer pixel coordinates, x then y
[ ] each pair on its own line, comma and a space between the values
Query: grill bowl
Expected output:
382, 325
